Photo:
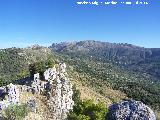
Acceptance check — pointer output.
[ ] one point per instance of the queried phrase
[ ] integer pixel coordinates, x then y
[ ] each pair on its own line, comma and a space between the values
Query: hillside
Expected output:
144, 60
131, 69
14, 62
102, 71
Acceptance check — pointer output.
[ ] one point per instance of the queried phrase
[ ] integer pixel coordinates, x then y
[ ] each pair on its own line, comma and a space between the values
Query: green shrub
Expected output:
15, 112
87, 110
73, 116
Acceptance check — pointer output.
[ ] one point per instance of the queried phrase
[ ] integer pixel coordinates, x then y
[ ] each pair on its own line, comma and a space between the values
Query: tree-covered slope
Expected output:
143, 60
122, 67
108, 69
14, 62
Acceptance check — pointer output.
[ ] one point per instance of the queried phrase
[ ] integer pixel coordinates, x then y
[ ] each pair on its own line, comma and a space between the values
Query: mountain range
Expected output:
110, 71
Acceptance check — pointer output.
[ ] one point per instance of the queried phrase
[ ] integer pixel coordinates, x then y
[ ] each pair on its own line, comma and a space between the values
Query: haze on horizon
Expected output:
28, 22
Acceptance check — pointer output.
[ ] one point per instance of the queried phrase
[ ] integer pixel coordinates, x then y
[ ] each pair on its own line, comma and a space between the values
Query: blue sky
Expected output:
27, 22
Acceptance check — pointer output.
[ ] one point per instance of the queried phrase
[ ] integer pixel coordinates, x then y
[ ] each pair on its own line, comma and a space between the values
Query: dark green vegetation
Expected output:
142, 60
40, 67
130, 69
12, 65
15, 62
76, 95
87, 110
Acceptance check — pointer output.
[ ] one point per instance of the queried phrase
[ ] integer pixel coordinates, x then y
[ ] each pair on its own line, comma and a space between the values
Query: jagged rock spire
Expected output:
61, 95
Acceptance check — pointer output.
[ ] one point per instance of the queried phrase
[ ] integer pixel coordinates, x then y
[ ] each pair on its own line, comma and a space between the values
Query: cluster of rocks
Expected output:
39, 86
130, 110
25, 88
57, 86
59, 90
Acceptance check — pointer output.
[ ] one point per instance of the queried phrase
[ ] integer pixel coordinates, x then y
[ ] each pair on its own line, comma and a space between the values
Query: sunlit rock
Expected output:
13, 93
50, 74
130, 110
36, 84
60, 100
62, 67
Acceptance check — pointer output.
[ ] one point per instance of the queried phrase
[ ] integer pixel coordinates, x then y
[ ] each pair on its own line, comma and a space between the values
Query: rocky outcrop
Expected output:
36, 84
61, 101
55, 85
13, 96
130, 110
50, 74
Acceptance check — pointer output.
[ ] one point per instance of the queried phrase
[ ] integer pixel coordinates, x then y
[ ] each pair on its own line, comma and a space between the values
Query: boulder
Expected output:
130, 110
31, 104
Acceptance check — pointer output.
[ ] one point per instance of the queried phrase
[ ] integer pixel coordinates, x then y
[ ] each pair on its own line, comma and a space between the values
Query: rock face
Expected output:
61, 101
36, 84
3, 90
50, 74
13, 93
130, 110
13, 96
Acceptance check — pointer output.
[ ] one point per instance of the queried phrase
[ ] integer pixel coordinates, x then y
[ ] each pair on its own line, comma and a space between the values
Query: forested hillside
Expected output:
15, 62
143, 60
128, 68
110, 72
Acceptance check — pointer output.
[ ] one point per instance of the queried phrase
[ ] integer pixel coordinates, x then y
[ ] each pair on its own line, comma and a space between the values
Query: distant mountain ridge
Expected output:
131, 69
125, 55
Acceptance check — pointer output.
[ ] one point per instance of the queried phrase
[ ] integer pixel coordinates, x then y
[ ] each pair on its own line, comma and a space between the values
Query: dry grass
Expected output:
42, 113
158, 115
109, 95
89, 93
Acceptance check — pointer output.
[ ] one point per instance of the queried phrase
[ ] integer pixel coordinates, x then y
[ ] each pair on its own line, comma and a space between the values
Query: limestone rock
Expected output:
130, 110
2, 92
60, 100
36, 84
13, 93
32, 105
50, 74
36, 78
4, 104
62, 67
13, 96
